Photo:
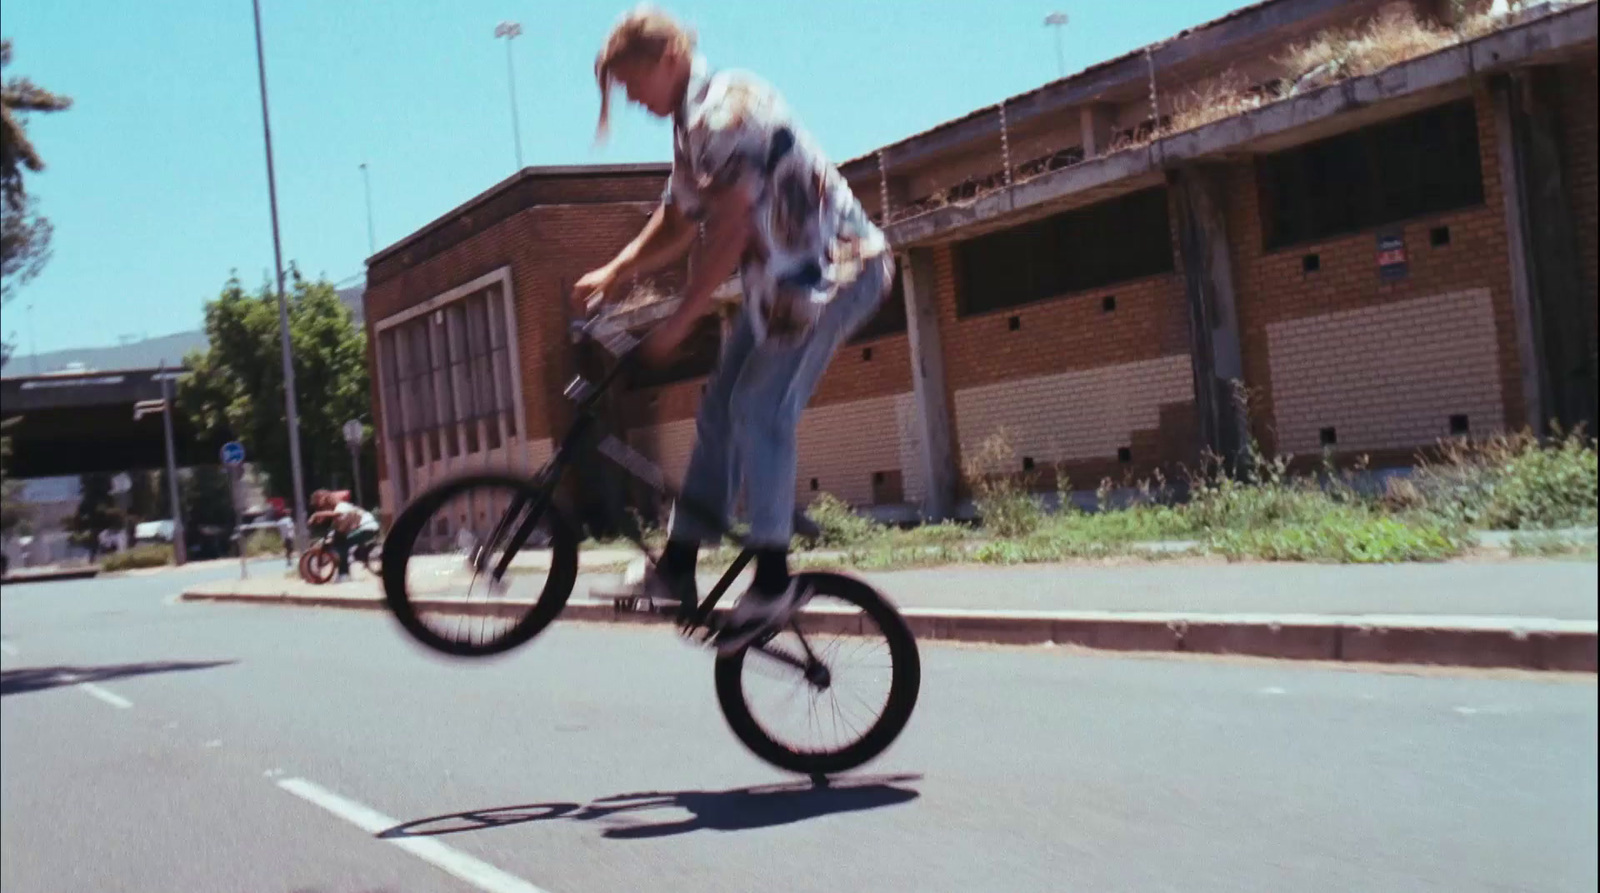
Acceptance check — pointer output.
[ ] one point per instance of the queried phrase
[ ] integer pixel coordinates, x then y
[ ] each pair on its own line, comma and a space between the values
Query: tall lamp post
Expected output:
366, 182
510, 31
164, 406
354, 434
289, 400
1058, 21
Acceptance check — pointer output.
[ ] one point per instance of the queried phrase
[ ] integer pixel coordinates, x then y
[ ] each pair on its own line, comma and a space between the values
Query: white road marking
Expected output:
8, 649
479, 874
1271, 690
1472, 711
95, 691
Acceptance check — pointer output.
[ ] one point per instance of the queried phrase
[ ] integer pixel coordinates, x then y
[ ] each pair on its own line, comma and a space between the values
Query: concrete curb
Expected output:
1568, 646
50, 576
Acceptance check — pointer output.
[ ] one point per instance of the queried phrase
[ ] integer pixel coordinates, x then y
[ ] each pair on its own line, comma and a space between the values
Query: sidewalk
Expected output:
1529, 614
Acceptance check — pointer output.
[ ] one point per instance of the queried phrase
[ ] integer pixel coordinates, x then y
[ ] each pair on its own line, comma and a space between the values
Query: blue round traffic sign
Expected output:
233, 453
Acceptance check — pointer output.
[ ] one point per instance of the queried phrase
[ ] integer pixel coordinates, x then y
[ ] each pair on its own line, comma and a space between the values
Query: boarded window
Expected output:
1420, 164
1086, 248
891, 316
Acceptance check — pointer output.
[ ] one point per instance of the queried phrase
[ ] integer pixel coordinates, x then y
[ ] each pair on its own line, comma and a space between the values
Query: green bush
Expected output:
840, 524
1509, 482
1007, 509
1003, 497
143, 555
1346, 536
1138, 523
941, 534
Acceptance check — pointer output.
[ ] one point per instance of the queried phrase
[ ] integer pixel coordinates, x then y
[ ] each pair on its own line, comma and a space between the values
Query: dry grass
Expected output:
1392, 36
1216, 99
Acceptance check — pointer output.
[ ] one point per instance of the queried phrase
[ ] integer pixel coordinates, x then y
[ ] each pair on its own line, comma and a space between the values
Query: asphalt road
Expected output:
233, 748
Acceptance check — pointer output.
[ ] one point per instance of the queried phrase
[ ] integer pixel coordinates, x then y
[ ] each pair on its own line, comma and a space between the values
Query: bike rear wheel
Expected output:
440, 558
852, 708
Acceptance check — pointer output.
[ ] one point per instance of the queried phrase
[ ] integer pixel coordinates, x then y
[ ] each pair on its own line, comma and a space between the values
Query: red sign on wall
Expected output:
1391, 256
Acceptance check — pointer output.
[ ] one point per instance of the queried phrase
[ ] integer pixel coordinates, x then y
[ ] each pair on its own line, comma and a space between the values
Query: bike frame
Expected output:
586, 397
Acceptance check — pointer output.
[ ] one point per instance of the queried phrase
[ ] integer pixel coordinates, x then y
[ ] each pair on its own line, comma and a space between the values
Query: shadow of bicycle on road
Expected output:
26, 679
736, 809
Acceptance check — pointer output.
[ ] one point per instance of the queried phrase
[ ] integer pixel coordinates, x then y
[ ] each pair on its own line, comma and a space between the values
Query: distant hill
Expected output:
142, 354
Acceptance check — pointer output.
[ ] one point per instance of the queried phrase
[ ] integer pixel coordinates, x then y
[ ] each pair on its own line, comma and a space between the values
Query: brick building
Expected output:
1381, 261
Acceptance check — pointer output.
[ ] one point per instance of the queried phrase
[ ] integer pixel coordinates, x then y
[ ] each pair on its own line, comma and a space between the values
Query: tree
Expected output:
208, 509
25, 245
149, 498
235, 388
97, 511
14, 514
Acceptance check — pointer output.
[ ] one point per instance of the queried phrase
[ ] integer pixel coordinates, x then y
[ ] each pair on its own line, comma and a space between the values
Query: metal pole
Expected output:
1057, 21
355, 464
283, 305
372, 241
178, 546
516, 126
234, 474
33, 340
510, 31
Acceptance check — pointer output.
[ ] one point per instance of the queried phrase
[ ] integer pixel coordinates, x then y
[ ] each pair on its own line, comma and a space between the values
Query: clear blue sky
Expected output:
156, 183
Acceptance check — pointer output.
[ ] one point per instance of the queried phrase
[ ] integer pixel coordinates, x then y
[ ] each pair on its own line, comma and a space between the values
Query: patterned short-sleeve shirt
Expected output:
811, 234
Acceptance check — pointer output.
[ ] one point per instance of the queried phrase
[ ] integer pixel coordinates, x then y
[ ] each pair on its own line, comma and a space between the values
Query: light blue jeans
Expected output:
751, 408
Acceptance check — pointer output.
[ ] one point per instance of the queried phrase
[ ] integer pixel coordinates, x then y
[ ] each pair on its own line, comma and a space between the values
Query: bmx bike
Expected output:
456, 578
319, 562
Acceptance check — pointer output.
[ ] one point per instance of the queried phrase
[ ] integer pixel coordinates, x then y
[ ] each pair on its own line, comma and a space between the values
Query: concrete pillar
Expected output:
1555, 337
1529, 354
1214, 343
936, 432
1094, 124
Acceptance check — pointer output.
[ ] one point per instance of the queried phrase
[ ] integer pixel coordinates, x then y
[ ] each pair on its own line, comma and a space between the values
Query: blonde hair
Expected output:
644, 33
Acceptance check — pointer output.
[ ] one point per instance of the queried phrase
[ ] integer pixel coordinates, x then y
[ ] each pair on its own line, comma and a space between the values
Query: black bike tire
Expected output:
397, 547
903, 688
320, 558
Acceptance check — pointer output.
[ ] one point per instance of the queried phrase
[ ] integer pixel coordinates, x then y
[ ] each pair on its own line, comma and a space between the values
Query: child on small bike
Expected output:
353, 526
749, 191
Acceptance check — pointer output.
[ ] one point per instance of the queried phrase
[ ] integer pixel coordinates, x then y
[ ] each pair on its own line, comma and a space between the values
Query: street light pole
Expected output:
140, 410
1058, 21
372, 241
33, 340
283, 305
510, 31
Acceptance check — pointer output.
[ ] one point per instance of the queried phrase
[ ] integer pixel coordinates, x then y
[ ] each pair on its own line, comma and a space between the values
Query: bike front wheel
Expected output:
456, 578
831, 690
318, 565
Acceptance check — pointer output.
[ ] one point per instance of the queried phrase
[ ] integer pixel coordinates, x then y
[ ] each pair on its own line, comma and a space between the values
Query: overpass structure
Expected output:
80, 422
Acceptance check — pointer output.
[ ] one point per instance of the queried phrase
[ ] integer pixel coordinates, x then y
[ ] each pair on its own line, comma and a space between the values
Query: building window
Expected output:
1086, 248
891, 316
446, 383
1423, 163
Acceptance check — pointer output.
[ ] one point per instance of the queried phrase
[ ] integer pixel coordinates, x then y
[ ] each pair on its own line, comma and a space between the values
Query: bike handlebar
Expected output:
606, 331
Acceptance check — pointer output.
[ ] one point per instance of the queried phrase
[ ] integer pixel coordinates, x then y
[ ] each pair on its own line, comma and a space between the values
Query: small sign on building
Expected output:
1392, 256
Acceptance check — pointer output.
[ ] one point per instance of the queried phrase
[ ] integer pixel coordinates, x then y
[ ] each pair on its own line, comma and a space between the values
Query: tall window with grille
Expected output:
448, 400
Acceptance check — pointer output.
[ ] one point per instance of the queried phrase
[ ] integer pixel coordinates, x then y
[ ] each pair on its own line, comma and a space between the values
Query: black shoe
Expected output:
661, 593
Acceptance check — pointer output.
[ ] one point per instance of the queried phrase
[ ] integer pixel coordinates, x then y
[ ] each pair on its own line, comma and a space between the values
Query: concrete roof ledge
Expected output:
1520, 44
